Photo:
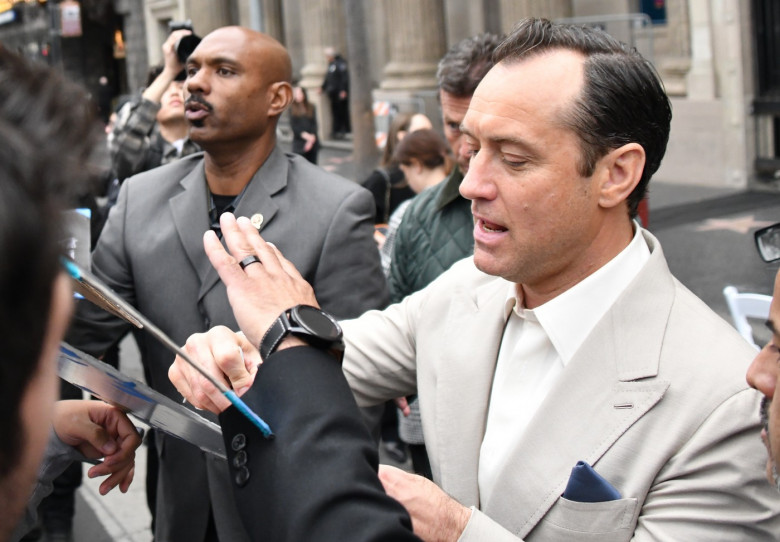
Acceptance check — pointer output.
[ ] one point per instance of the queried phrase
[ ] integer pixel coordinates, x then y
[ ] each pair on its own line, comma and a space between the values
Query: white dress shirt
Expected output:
536, 347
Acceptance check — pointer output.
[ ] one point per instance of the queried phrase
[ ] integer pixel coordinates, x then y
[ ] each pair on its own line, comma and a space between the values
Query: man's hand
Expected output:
171, 61
436, 517
403, 405
227, 355
310, 140
260, 292
97, 430
171, 68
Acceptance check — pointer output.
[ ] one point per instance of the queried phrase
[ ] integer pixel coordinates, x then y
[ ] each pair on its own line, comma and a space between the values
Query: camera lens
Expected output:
185, 46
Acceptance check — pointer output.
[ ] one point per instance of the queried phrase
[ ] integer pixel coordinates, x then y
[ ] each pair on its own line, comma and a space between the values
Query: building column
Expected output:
701, 77
208, 15
732, 50
514, 10
415, 29
323, 25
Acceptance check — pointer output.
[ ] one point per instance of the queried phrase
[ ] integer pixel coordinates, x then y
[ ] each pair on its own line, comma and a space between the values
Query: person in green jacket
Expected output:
437, 227
436, 230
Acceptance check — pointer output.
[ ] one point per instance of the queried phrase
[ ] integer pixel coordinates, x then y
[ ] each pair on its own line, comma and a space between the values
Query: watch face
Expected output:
317, 322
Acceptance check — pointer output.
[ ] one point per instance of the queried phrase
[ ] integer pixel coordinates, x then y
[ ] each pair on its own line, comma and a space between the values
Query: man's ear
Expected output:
281, 96
620, 172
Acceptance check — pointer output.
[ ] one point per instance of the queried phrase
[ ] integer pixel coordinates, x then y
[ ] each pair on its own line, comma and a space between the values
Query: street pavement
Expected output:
706, 234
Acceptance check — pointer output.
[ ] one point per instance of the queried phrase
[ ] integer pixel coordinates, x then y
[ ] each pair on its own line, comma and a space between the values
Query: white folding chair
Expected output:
746, 305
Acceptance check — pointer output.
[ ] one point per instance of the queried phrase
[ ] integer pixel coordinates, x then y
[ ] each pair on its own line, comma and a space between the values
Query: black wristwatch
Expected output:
311, 324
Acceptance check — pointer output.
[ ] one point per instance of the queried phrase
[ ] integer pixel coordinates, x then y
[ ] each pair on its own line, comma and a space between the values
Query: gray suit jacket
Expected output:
655, 399
151, 253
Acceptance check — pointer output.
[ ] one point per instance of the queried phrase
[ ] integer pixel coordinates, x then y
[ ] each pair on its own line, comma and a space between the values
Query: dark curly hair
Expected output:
47, 135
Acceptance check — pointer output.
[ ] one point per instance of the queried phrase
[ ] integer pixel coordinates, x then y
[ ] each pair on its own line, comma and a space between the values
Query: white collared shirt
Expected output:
536, 347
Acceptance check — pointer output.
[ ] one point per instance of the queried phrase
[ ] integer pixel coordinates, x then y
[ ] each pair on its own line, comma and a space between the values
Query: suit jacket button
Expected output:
240, 459
242, 476
238, 442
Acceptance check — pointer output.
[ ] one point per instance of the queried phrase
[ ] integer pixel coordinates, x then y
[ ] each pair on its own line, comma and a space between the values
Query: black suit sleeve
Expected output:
316, 480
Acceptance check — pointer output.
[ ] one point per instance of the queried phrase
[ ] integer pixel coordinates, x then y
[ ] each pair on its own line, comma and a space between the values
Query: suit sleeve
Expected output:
316, 479
350, 251
380, 360
129, 142
56, 458
94, 330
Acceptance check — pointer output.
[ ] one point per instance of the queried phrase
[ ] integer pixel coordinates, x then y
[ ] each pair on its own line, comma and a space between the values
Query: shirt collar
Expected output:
569, 318
214, 213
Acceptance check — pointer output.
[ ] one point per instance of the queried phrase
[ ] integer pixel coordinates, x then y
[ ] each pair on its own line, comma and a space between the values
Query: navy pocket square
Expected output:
587, 485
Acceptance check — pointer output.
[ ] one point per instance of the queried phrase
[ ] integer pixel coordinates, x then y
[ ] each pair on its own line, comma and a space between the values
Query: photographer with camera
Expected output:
151, 129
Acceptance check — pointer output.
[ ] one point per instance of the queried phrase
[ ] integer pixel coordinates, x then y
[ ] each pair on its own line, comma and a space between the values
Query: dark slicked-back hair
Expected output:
622, 100
466, 63
47, 131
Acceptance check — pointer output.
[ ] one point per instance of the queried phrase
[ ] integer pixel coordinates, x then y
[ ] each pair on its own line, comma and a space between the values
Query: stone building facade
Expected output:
709, 53
110, 40
705, 51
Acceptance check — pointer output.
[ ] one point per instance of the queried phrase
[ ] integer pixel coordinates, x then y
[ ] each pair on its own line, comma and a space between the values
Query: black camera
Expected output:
186, 44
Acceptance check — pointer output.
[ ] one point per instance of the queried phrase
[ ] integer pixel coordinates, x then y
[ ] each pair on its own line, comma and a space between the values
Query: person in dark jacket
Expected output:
151, 129
336, 87
387, 182
437, 227
303, 121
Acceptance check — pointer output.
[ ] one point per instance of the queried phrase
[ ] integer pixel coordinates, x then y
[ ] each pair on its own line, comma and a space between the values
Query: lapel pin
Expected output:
624, 406
257, 220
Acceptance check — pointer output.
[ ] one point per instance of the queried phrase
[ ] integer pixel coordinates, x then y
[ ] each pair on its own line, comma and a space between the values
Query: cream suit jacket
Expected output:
655, 399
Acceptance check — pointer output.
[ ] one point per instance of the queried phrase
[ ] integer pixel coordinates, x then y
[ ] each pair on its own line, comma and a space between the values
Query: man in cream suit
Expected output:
565, 338
151, 251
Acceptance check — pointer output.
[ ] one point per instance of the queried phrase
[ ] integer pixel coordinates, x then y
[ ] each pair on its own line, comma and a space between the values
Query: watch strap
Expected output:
275, 334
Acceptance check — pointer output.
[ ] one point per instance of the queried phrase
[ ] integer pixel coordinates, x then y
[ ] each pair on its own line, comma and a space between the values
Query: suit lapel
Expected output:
463, 387
190, 216
257, 200
596, 399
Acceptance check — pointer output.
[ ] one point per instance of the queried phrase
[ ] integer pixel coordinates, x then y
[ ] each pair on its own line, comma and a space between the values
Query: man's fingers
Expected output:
230, 358
252, 359
242, 240
257, 245
203, 394
236, 240
390, 477
226, 265
122, 478
219, 354
177, 376
403, 405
